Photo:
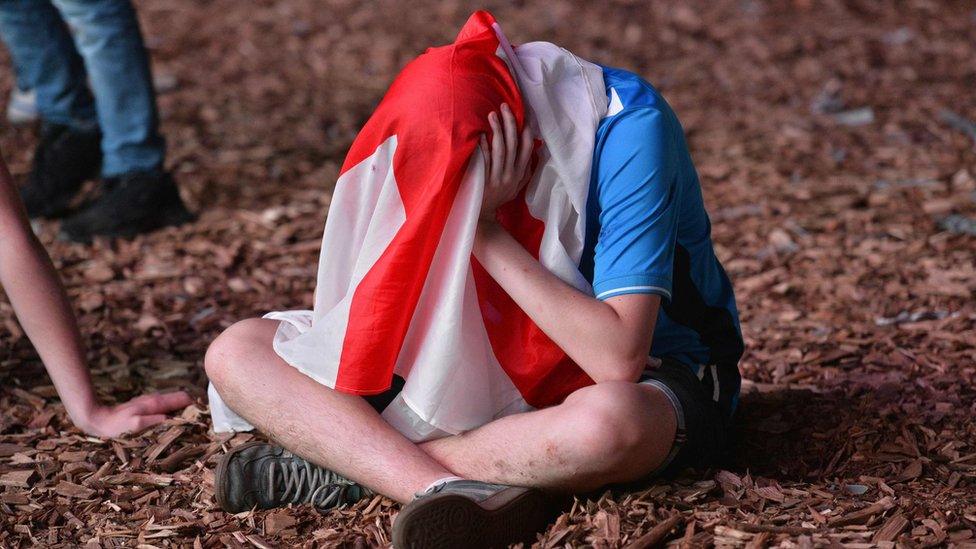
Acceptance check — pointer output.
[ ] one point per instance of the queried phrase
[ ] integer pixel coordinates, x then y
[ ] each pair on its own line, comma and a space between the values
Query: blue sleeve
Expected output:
638, 196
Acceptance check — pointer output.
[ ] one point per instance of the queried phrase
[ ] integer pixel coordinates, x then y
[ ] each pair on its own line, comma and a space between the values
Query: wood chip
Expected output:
835, 150
163, 443
276, 522
18, 479
658, 534
862, 515
894, 526
72, 490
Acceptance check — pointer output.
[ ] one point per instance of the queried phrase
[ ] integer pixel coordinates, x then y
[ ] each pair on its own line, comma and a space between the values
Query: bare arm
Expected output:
39, 300
610, 340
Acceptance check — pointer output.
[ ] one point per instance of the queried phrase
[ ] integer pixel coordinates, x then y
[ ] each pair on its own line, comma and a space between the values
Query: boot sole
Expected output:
452, 520
220, 478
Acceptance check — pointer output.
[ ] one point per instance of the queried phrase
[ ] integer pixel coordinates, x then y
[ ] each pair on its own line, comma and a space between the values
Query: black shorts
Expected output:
703, 400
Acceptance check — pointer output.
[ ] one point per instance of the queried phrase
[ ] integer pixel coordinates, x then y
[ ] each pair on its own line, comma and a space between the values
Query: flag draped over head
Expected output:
398, 290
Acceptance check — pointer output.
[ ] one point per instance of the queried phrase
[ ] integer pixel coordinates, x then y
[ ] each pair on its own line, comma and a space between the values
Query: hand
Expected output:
133, 416
506, 161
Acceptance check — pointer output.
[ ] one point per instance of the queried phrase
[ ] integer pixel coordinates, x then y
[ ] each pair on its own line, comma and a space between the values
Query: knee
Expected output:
225, 352
615, 421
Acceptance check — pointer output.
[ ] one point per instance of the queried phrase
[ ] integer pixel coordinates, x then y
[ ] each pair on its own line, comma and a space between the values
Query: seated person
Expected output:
659, 338
30, 282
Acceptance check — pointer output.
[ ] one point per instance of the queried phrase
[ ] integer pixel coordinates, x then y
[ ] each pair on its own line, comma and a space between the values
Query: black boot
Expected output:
65, 158
132, 204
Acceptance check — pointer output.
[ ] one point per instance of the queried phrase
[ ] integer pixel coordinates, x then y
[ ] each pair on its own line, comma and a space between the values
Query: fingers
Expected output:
483, 145
167, 402
159, 403
507, 155
525, 153
137, 414
510, 129
497, 147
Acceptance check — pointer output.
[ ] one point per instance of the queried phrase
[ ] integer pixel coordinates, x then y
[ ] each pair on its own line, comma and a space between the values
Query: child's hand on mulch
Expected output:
133, 416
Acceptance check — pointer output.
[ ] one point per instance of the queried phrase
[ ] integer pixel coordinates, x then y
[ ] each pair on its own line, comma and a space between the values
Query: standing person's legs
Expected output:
22, 104
108, 37
44, 54
69, 151
139, 196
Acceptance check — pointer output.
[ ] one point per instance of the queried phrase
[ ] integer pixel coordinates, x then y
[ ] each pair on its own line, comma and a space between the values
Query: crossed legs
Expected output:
602, 434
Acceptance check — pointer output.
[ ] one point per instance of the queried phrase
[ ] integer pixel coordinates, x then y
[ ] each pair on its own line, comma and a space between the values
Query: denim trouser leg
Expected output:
45, 58
107, 35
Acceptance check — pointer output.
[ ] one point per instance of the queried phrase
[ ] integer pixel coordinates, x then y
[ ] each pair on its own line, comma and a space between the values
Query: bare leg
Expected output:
603, 434
335, 430
606, 433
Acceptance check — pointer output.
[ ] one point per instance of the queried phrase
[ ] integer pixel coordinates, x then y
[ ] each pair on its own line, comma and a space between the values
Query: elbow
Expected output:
628, 368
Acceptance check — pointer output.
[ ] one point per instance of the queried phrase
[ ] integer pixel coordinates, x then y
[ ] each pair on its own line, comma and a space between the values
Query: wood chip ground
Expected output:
837, 155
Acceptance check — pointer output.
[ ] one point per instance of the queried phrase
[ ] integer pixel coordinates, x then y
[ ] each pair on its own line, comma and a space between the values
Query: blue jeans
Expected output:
121, 100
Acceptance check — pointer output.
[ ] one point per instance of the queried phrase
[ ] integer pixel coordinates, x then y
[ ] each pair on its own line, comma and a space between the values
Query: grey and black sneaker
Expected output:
468, 513
267, 476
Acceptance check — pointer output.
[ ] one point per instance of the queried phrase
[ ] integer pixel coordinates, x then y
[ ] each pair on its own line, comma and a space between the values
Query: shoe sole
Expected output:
452, 520
220, 477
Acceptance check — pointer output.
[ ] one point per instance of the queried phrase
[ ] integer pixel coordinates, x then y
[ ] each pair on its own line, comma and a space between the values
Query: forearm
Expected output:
590, 331
41, 306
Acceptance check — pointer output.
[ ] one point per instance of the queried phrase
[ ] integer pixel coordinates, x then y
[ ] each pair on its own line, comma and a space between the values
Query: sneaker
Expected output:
131, 204
257, 474
22, 107
468, 513
64, 159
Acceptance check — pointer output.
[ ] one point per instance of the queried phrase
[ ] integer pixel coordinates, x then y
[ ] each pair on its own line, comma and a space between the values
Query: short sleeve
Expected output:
636, 178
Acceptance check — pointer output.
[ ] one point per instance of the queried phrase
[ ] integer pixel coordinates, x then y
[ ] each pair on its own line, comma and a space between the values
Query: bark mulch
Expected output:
836, 142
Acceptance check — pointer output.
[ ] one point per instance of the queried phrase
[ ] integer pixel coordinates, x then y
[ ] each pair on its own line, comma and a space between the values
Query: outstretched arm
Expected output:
610, 340
39, 300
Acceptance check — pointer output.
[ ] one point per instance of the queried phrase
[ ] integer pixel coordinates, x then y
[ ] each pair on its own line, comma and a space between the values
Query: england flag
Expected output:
398, 291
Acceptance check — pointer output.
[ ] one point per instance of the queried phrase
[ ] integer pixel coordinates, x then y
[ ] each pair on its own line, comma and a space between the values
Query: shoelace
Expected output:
322, 487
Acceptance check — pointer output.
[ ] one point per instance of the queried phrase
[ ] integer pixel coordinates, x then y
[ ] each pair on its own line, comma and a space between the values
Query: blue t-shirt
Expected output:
648, 232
